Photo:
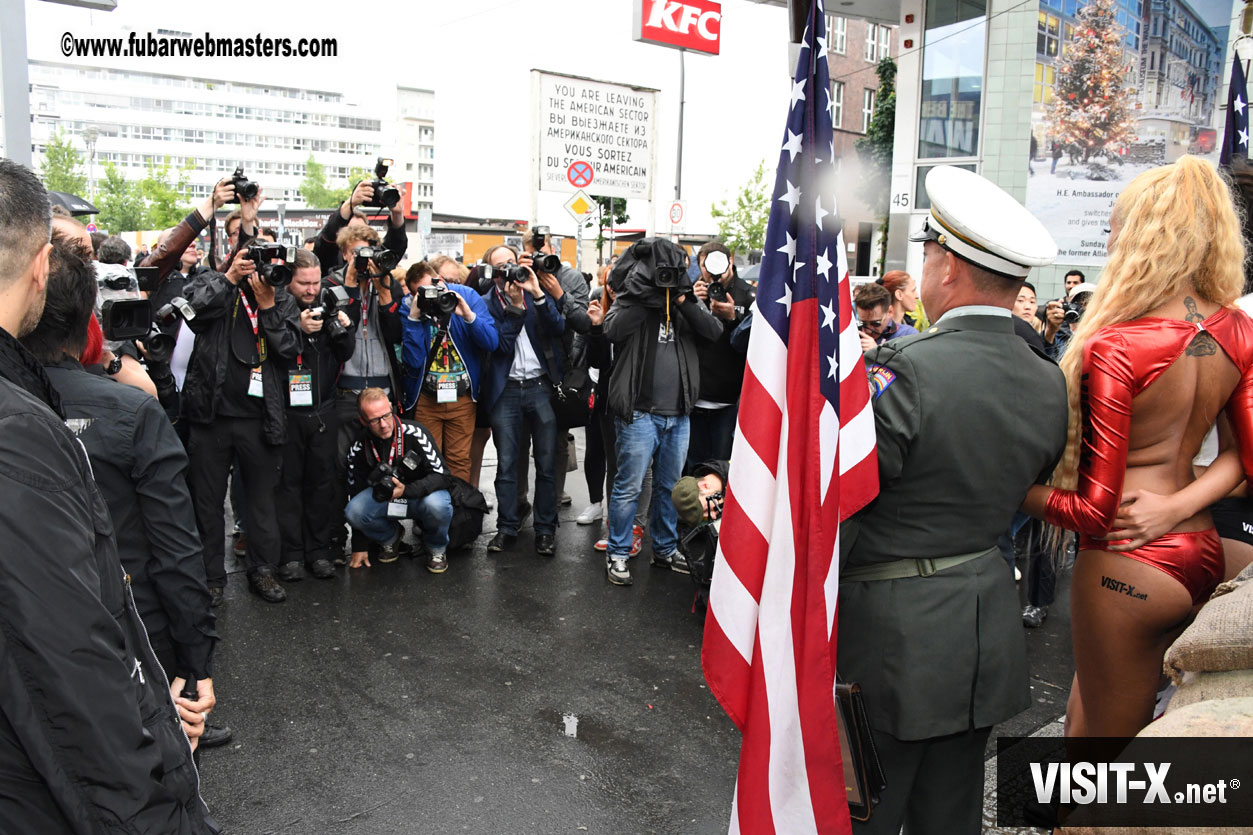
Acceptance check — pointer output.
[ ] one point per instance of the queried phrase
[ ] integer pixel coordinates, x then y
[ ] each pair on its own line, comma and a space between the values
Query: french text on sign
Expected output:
579, 174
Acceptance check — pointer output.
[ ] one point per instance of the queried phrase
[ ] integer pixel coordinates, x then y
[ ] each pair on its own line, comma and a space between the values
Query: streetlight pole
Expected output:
678, 166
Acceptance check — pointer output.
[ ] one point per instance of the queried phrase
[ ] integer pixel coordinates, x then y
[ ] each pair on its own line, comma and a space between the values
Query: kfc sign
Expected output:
682, 24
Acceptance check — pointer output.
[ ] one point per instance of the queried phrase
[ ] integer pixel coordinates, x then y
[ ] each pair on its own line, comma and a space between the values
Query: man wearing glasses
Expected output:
874, 316
403, 446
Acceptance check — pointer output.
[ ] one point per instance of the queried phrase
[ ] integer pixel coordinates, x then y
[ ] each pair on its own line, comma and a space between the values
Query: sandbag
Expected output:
1221, 637
1204, 687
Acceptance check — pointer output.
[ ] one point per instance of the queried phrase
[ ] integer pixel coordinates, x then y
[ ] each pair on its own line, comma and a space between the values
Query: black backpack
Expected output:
468, 509
699, 546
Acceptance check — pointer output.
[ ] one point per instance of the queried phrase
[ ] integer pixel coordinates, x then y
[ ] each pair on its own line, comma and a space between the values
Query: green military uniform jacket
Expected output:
968, 417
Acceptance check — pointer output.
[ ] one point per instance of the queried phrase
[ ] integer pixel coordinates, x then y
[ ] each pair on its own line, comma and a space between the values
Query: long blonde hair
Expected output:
1177, 229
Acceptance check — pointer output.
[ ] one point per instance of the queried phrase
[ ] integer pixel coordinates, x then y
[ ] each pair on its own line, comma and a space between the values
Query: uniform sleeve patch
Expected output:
879, 378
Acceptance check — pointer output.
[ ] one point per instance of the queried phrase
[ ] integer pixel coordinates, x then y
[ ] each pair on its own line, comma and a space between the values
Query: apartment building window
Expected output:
867, 109
872, 42
837, 34
885, 42
837, 104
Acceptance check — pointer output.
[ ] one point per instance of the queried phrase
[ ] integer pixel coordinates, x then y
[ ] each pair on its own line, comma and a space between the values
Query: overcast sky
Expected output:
477, 57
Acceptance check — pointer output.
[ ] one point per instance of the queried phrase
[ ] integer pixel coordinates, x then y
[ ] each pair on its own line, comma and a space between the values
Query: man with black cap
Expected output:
928, 615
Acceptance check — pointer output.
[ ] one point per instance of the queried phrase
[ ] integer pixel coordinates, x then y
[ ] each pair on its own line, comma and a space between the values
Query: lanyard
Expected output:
252, 320
398, 445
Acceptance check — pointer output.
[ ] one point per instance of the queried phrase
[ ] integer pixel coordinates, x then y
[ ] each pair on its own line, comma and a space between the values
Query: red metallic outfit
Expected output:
1119, 362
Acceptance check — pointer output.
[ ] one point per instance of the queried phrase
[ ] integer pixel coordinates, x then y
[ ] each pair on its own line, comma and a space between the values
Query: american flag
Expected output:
803, 461
1236, 134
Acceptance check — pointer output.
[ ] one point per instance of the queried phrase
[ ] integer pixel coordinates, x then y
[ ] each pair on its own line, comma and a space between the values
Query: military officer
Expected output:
968, 417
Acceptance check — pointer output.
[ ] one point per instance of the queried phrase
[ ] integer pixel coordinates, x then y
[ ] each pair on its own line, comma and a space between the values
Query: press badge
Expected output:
397, 509
446, 392
255, 388
300, 388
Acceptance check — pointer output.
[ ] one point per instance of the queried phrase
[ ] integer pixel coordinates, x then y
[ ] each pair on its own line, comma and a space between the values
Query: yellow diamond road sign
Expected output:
580, 205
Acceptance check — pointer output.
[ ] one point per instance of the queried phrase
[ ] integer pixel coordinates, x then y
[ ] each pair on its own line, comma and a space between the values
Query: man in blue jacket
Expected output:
517, 391
443, 352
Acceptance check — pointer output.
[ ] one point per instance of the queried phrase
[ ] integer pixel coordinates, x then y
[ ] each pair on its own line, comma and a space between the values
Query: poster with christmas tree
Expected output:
1121, 86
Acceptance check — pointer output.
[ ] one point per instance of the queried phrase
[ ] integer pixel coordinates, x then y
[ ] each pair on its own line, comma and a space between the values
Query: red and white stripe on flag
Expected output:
803, 461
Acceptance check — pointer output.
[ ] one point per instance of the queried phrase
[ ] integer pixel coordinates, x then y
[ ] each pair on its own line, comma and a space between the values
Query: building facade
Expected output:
135, 119
854, 49
1180, 68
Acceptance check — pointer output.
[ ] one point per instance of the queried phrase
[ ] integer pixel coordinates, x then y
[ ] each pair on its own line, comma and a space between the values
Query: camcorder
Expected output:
508, 273
245, 189
672, 278
435, 301
330, 302
406, 471
385, 196
276, 275
132, 319
384, 259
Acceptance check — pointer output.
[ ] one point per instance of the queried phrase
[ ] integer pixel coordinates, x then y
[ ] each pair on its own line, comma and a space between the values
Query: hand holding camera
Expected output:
596, 313
263, 255
1054, 315
439, 302
311, 322
701, 290
241, 268
263, 290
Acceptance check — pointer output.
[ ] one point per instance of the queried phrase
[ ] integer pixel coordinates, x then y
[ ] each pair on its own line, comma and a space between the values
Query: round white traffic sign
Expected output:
676, 213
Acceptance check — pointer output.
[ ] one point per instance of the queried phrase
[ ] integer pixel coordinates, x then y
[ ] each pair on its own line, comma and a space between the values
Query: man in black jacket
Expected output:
101, 749
307, 491
425, 498
141, 469
721, 367
656, 379
234, 398
351, 214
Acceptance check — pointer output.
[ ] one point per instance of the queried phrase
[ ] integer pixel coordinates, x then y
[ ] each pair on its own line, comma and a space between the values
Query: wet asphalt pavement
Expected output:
513, 694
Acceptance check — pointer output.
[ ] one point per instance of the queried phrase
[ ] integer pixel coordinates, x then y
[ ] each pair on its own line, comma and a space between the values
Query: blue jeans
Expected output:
433, 513
663, 441
520, 404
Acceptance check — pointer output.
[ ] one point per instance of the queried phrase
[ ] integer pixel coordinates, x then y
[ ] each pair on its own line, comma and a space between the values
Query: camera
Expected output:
385, 196
158, 345
330, 302
672, 278
436, 301
406, 472
1073, 312
542, 263
384, 259
177, 308
508, 273
717, 291
245, 189
123, 319
276, 275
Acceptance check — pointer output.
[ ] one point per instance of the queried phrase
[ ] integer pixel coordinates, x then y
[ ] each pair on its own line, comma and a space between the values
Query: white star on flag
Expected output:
1244, 138
822, 42
796, 268
819, 212
833, 366
798, 93
824, 268
828, 312
792, 198
786, 300
793, 145
1239, 105
789, 248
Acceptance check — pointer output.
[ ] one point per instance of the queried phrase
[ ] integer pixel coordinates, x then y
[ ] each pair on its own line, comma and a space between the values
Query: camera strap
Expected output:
252, 321
398, 445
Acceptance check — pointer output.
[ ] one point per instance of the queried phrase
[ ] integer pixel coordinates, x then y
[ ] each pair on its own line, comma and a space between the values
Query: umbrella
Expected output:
751, 273
74, 205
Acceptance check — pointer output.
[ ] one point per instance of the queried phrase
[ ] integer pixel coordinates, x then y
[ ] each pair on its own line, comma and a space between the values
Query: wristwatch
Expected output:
114, 366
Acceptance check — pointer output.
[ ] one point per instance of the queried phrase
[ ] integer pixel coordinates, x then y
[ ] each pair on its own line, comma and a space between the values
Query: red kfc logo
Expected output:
683, 24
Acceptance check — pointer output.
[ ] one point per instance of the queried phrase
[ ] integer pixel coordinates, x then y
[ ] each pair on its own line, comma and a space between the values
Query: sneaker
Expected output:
590, 514
678, 564
566, 501
437, 563
266, 587
217, 596
389, 552
601, 545
637, 540
290, 572
240, 546
1033, 616
214, 735
1017, 575
618, 571
322, 569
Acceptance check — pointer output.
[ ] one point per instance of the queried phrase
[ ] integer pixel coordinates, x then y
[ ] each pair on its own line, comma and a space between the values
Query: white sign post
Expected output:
595, 134
580, 207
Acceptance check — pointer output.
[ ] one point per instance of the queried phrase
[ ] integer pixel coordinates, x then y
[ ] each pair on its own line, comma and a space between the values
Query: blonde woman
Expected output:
1160, 353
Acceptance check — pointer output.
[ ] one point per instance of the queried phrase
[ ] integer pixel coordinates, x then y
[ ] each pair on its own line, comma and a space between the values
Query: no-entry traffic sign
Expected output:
579, 173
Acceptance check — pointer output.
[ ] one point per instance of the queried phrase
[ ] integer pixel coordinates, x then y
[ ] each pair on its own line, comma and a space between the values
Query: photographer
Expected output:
374, 308
721, 368
306, 493
1060, 317
448, 329
517, 393
875, 324
395, 472
141, 469
328, 249
234, 398
655, 326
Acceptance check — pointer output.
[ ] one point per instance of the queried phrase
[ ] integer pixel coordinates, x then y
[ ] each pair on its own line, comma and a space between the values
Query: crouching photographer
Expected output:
395, 472
658, 320
448, 329
306, 497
